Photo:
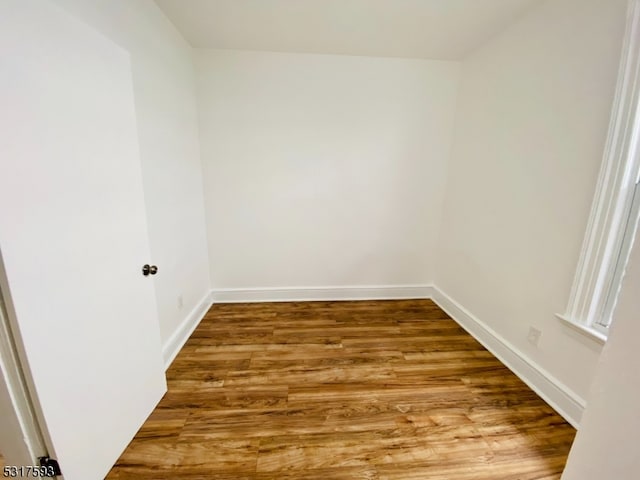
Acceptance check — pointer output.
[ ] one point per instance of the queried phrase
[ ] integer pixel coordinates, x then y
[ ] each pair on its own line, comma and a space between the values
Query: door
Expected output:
73, 235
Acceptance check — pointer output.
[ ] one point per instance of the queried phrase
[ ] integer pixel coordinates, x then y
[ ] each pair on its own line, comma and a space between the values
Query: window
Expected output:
603, 320
616, 208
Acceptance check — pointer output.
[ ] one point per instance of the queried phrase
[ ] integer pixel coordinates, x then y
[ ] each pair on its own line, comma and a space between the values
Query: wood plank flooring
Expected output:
343, 390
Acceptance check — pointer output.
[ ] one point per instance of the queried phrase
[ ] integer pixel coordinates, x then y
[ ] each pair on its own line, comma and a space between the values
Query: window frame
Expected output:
603, 320
603, 256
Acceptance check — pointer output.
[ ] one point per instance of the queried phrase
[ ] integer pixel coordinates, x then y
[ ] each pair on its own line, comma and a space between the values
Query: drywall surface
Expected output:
165, 100
607, 443
531, 125
323, 170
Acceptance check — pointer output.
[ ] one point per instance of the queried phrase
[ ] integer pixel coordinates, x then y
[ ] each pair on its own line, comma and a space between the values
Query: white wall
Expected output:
607, 443
164, 91
323, 170
532, 120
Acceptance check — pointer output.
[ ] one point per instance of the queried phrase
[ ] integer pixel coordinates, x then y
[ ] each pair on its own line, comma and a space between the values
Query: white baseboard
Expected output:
566, 402
297, 294
172, 347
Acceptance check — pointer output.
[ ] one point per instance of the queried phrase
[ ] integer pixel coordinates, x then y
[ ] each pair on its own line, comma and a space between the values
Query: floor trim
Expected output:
172, 347
386, 292
566, 402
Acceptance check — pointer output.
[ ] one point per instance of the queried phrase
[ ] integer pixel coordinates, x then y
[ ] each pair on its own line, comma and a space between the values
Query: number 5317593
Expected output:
27, 471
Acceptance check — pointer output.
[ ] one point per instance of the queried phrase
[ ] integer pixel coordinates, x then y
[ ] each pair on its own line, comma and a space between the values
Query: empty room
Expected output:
319, 239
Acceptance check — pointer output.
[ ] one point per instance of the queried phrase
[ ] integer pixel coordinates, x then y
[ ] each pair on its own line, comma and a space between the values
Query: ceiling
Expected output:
436, 29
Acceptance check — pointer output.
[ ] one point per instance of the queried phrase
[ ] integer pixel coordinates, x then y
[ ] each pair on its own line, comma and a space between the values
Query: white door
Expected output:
73, 235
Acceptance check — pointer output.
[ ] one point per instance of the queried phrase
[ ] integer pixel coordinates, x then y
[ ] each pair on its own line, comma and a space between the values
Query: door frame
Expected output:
23, 438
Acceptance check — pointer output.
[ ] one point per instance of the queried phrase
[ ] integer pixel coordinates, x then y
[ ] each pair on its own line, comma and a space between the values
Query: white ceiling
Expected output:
437, 29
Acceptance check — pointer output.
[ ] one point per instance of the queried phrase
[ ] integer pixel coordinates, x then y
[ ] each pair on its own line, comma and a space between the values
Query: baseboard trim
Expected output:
298, 294
560, 397
566, 402
172, 347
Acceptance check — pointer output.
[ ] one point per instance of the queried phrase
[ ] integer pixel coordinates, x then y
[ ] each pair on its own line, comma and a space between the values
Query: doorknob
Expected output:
149, 270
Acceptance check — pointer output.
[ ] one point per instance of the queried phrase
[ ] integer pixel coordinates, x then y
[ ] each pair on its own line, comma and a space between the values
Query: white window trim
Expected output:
614, 193
603, 321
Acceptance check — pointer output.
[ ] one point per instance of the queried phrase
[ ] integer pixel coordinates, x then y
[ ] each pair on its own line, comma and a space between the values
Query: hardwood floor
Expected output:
343, 390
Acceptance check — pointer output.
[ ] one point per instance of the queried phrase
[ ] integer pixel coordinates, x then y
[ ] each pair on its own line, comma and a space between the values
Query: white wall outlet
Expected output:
180, 301
534, 336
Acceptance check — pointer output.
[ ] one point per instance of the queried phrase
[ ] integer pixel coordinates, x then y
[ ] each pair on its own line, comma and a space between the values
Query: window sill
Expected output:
584, 329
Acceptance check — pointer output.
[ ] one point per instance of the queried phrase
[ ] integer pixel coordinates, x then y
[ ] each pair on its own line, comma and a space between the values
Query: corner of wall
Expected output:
560, 397
174, 344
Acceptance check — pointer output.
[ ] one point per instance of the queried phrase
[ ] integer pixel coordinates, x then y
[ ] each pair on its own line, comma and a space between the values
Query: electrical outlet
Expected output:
180, 301
534, 336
